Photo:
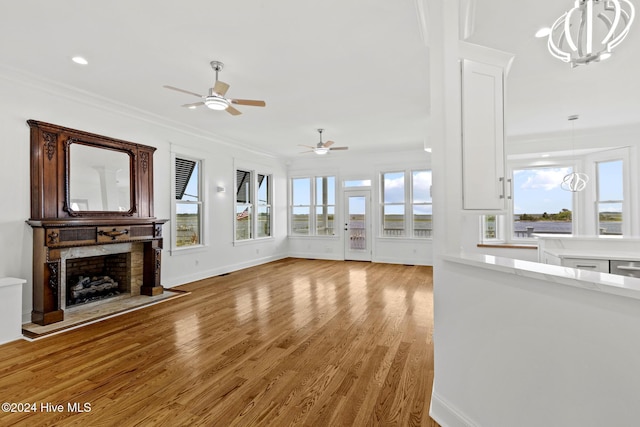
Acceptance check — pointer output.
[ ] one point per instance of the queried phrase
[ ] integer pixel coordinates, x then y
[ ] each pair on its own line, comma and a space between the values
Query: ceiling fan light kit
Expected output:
590, 30
216, 100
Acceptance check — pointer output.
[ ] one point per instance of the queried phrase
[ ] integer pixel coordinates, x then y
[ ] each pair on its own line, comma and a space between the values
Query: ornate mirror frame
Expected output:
67, 207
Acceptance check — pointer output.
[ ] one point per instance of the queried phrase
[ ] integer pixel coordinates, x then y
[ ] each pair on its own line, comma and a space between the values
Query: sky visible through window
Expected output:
610, 180
537, 190
191, 193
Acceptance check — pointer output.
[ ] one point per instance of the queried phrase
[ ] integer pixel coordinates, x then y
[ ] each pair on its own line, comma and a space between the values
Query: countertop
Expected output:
593, 254
600, 282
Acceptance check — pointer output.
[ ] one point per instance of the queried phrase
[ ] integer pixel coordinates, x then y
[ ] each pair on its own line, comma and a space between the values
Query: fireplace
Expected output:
90, 225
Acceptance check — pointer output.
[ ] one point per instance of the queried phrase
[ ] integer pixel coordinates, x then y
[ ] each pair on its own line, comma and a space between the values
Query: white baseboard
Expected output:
446, 414
316, 255
405, 261
205, 274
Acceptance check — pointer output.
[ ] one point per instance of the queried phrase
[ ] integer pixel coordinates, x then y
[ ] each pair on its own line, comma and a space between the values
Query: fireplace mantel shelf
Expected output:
88, 222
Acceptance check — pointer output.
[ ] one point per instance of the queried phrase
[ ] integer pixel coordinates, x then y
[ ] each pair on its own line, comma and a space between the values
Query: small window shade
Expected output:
184, 169
243, 181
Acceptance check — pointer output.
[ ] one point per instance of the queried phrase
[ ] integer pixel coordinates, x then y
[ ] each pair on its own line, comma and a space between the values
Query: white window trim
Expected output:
508, 228
312, 207
203, 188
408, 203
254, 170
584, 210
630, 222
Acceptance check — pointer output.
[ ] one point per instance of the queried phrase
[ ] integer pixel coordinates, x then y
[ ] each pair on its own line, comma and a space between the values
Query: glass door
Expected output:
357, 227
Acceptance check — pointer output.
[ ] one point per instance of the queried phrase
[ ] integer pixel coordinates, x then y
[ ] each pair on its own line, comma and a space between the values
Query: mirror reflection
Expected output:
99, 179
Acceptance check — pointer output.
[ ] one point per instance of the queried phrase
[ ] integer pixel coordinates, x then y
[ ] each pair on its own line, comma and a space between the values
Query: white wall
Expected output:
351, 165
518, 351
27, 98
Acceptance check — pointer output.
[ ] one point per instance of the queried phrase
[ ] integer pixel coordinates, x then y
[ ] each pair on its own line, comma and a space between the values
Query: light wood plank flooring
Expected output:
293, 342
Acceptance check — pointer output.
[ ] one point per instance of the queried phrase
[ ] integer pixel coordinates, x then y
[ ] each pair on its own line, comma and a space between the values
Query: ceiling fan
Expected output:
322, 148
216, 100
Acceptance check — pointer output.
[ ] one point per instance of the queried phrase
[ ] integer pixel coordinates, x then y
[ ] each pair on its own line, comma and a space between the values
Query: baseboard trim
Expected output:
446, 414
177, 281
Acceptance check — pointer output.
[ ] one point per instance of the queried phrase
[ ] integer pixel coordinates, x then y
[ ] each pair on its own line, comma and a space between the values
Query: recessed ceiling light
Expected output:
79, 60
543, 32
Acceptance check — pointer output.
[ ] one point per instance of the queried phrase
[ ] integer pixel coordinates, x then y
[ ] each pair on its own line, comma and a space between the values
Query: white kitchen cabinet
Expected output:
484, 185
483, 165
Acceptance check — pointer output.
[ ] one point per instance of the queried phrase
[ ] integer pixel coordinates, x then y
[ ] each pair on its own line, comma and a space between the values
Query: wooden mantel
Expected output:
58, 224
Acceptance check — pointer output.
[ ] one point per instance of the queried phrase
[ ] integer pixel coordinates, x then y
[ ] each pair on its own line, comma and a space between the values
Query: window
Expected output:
325, 205
317, 195
188, 202
357, 183
264, 206
398, 199
540, 205
252, 220
393, 192
300, 206
422, 205
609, 197
243, 205
491, 227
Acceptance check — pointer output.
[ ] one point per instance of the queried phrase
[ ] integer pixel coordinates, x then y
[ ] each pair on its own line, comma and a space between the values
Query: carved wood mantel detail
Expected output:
56, 226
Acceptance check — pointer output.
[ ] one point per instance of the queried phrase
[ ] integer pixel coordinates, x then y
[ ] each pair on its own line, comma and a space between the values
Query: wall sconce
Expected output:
220, 189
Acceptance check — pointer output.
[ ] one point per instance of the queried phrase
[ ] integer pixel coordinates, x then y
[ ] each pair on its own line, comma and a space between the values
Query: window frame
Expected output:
201, 203
630, 224
584, 204
407, 203
313, 206
253, 204
508, 222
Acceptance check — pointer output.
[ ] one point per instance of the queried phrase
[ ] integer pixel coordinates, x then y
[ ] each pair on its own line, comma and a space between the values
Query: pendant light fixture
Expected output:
590, 30
574, 181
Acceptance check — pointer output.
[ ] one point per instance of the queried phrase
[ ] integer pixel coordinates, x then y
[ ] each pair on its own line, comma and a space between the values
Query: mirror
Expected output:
99, 179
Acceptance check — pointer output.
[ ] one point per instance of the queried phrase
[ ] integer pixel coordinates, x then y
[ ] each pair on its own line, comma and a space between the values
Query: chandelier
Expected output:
590, 30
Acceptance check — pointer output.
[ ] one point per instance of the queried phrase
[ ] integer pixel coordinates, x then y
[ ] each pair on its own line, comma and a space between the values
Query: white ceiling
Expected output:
358, 69
543, 91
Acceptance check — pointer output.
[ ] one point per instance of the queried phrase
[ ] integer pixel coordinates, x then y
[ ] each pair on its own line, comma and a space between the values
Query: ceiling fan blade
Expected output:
233, 111
220, 88
328, 144
339, 148
195, 104
308, 151
251, 102
182, 90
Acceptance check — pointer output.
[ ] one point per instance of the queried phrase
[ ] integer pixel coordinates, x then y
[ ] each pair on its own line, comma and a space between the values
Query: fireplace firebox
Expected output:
97, 278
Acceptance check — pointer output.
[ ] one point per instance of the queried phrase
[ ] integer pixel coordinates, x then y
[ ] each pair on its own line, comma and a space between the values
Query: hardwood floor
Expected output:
293, 342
